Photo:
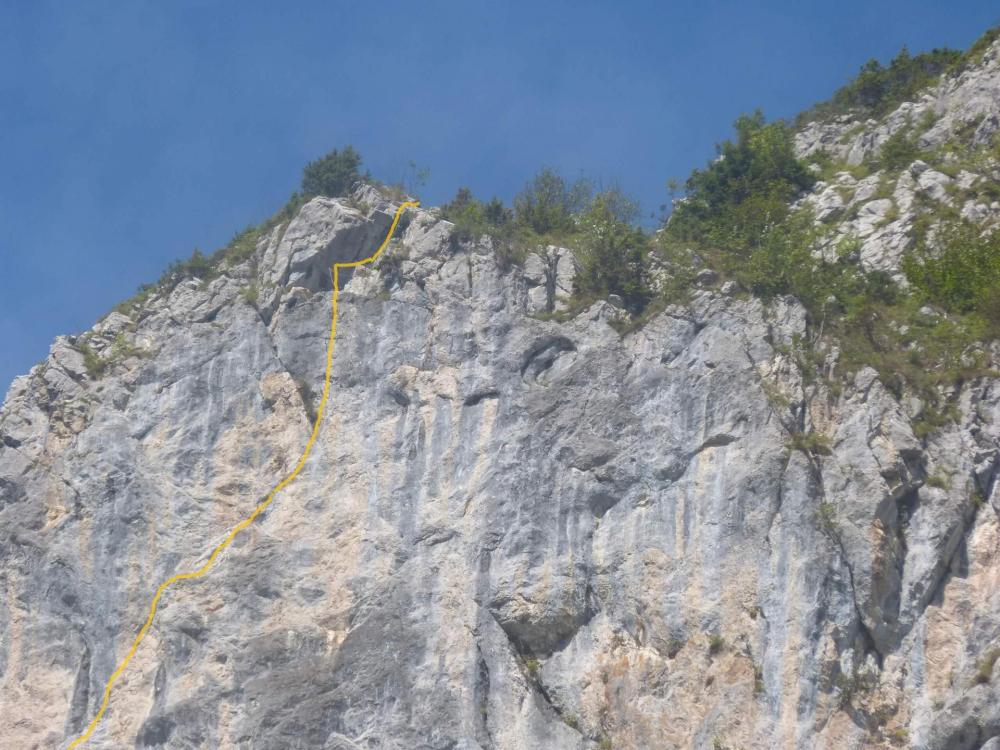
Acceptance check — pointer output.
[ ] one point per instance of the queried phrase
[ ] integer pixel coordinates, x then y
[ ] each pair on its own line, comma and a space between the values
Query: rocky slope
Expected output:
515, 531
957, 120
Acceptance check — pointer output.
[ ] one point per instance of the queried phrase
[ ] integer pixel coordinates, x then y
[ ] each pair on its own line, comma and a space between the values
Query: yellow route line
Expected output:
263, 505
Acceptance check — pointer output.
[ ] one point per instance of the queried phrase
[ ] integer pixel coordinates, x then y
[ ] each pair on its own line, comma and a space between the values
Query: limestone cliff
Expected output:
515, 531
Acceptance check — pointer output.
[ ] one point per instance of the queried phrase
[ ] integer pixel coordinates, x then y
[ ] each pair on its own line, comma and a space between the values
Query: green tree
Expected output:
547, 203
473, 218
332, 175
961, 273
782, 263
746, 189
496, 213
878, 89
613, 254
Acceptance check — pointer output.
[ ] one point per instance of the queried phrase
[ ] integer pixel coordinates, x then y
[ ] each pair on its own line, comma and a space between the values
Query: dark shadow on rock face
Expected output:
155, 732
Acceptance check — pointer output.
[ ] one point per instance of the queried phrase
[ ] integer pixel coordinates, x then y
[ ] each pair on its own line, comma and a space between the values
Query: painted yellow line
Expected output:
267, 501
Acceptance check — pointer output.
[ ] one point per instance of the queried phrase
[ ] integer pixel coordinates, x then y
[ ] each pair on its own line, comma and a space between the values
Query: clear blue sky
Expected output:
132, 132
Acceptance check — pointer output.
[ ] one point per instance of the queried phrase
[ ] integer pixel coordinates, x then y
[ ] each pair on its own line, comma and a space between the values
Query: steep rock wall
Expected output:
513, 532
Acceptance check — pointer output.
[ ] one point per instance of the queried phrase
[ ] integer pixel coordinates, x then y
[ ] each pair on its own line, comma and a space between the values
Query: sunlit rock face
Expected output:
515, 530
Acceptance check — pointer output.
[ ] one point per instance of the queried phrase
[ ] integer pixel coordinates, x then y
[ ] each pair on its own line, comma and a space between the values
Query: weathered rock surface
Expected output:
513, 532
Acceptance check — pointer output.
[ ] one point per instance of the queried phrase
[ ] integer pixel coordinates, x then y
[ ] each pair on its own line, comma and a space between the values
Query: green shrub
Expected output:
735, 219
813, 443
934, 415
332, 175
241, 247
612, 253
546, 205
414, 179
250, 293
716, 643
679, 263
744, 191
137, 300
962, 273
198, 266
122, 349
532, 667
96, 365
612, 250
899, 151
879, 89
473, 218
830, 167
937, 480
92, 361
975, 53
781, 262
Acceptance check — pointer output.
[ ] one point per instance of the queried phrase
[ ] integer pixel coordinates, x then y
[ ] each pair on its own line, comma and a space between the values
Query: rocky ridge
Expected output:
957, 120
516, 531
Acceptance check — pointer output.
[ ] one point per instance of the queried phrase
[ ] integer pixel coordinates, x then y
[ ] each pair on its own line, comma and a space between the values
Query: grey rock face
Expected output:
549, 276
513, 533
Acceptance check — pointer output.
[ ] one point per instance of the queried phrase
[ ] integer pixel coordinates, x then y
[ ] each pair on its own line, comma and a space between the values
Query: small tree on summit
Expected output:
747, 188
332, 175
612, 252
546, 204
